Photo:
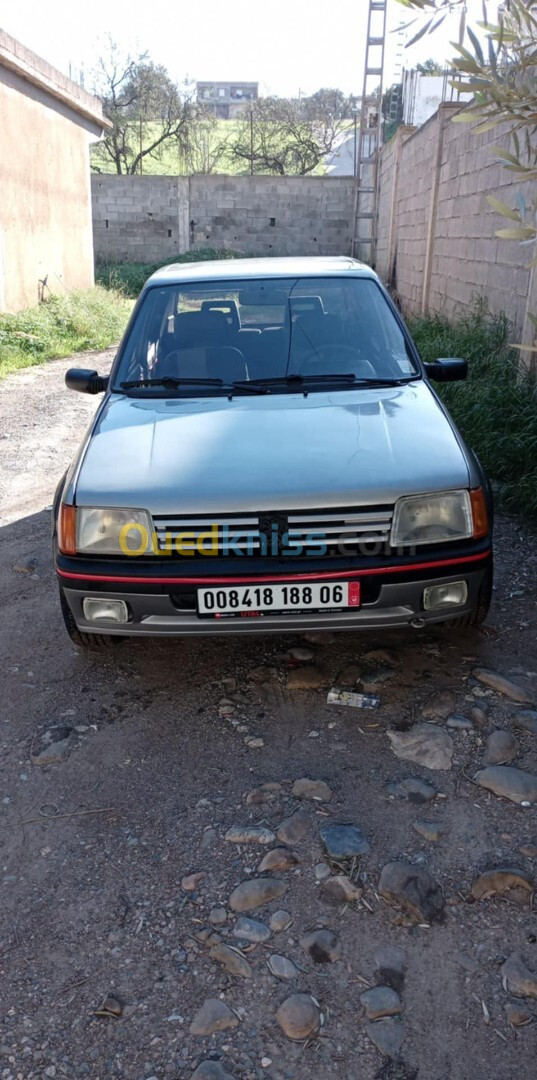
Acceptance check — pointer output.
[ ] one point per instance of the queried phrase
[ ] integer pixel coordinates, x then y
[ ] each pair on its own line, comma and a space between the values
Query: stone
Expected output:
526, 721
381, 1001
265, 793
211, 1070
424, 744
280, 921
440, 706
430, 830
478, 716
320, 637
256, 893
349, 676
110, 1007
529, 850
191, 882
263, 674
218, 916
27, 565
300, 652
232, 961
316, 790
500, 747
500, 881
414, 889
250, 834
53, 746
502, 685
517, 979
412, 788
321, 871
509, 782
343, 841
371, 680
459, 723
517, 1015
305, 678
254, 742
390, 966
214, 1015
279, 859
299, 1017
282, 967
250, 930
341, 890
295, 827
387, 1035
323, 946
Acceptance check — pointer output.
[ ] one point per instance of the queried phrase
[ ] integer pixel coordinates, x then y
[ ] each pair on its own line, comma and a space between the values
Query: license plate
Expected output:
257, 600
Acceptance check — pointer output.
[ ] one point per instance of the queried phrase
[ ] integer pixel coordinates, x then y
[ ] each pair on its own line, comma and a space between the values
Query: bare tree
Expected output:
207, 143
287, 136
146, 108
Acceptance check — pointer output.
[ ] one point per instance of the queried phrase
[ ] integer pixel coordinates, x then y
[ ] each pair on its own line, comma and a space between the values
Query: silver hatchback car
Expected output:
269, 456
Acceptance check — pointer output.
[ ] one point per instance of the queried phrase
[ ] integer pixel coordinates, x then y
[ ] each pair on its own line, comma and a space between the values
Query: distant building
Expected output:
423, 93
226, 99
48, 122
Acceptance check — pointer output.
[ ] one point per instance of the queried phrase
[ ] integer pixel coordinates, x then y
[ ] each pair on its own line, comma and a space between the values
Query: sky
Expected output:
288, 46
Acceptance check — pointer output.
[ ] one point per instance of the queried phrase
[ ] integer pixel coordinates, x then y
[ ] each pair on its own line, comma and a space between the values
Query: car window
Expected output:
259, 329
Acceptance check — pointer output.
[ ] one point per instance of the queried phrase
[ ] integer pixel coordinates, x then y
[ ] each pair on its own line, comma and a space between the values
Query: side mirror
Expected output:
86, 381
447, 370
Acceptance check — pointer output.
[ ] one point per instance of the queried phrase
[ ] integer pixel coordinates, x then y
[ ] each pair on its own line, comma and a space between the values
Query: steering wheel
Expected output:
331, 354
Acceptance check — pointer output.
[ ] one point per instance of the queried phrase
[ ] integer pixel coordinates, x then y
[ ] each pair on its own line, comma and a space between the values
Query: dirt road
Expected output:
162, 748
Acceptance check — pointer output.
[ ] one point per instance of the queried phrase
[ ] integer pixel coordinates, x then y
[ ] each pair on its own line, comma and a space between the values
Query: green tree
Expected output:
146, 108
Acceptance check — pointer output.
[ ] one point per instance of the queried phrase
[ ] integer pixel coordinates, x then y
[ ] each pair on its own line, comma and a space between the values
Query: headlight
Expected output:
429, 519
113, 532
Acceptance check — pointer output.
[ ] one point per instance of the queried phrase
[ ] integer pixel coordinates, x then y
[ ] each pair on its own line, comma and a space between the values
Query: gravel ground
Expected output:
107, 951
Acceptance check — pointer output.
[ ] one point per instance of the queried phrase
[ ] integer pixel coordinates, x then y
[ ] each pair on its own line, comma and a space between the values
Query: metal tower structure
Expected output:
365, 212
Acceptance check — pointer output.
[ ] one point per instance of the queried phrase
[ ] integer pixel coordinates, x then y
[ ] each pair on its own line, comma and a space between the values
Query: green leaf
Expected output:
477, 47
505, 155
524, 233
419, 34
502, 208
488, 125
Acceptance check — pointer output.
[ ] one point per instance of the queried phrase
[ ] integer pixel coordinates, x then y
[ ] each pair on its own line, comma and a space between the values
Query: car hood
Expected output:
287, 451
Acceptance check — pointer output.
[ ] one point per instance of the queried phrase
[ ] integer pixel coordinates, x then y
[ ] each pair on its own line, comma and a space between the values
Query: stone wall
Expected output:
437, 243
148, 218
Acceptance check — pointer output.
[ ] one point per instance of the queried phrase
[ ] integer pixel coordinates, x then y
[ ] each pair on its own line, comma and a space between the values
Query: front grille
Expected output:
340, 531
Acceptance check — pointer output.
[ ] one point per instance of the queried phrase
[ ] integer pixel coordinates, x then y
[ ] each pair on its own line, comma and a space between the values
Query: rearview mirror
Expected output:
86, 381
447, 370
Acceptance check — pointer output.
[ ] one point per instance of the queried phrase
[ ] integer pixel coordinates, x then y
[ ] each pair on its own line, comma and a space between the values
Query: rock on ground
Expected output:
343, 841
509, 782
387, 1035
253, 834
414, 889
251, 930
211, 1070
390, 966
316, 790
295, 827
500, 881
305, 678
299, 1016
503, 685
341, 890
214, 1015
256, 893
282, 967
232, 961
517, 979
278, 859
526, 721
424, 744
381, 1001
440, 706
280, 921
430, 830
500, 747
323, 946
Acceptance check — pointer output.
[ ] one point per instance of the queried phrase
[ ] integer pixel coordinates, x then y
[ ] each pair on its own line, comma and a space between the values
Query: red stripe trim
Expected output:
325, 575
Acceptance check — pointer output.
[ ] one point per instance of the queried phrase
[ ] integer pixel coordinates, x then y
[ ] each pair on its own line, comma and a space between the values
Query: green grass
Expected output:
496, 408
130, 277
88, 319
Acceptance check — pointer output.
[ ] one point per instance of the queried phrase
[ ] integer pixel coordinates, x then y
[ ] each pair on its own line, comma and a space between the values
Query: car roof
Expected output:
234, 269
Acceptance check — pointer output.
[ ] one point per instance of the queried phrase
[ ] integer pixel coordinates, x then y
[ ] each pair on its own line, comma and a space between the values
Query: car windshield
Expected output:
250, 331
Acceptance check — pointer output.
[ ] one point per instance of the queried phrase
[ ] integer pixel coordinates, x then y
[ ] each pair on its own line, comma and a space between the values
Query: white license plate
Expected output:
252, 600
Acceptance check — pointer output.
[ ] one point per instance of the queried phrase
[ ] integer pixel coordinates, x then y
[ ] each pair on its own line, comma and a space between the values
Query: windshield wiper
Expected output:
307, 380
171, 381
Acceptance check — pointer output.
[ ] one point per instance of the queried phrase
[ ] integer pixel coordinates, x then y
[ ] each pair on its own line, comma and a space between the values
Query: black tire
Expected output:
479, 613
89, 642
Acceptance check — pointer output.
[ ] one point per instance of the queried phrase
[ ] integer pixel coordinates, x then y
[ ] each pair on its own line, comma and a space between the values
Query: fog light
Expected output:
115, 611
442, 596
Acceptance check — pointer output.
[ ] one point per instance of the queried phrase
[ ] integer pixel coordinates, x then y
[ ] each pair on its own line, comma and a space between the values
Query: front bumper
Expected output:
166, 605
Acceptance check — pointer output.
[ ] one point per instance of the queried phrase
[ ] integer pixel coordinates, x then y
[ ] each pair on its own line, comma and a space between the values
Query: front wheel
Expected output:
90, 642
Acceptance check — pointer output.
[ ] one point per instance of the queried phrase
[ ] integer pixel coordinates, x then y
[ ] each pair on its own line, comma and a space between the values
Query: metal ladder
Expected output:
365, 210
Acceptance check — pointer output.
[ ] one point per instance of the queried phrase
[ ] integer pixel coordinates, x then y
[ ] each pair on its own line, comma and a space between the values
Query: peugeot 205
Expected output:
269, 455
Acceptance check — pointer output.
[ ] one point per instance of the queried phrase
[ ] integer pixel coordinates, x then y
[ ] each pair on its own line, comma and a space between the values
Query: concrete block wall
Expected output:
140, 218
435, 220
148, 218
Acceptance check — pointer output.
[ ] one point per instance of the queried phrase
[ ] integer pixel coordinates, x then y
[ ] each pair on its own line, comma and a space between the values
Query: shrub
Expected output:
88, 319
